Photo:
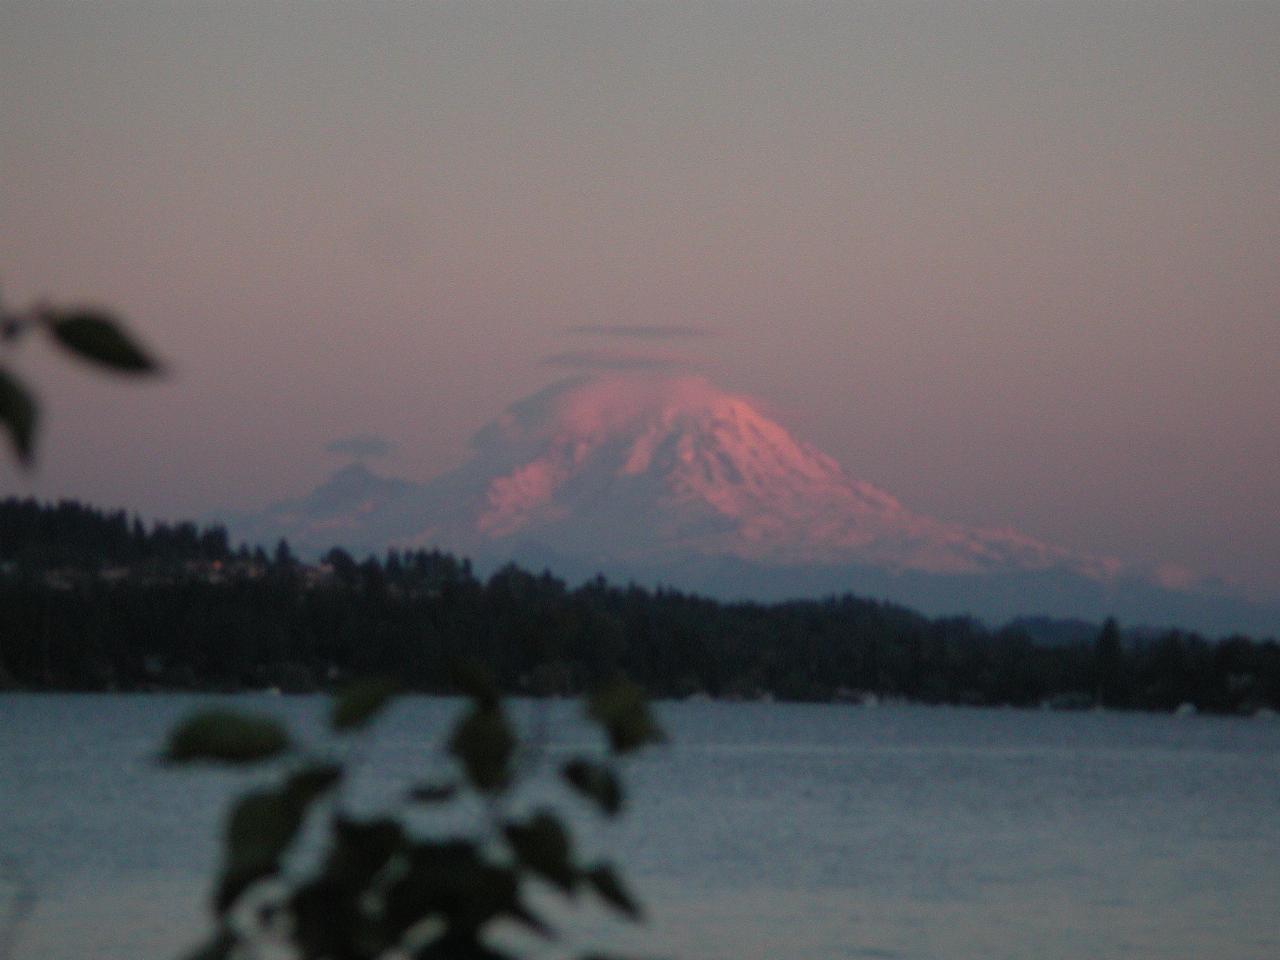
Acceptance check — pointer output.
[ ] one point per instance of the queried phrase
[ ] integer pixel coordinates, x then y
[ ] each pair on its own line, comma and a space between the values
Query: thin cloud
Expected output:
641, 331
362, 446
612, 360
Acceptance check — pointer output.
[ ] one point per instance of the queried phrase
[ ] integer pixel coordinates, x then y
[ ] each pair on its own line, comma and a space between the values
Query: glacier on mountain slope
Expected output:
654, 467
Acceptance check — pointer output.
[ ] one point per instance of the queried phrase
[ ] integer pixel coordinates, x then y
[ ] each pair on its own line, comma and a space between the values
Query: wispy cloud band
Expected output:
641, 331
362, 446
612, 360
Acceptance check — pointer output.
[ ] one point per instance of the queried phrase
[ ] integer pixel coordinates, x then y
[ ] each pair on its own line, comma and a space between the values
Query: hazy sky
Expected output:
1017, 263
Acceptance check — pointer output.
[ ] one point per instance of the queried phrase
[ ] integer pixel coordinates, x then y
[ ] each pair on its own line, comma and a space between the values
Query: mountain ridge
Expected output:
670, 479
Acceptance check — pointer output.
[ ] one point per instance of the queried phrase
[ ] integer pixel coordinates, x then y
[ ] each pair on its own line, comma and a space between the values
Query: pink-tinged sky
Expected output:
1016, 263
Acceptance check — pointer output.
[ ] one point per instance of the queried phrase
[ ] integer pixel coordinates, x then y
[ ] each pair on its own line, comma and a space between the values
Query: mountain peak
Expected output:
643, 466
642, 469
675, 440
671, 479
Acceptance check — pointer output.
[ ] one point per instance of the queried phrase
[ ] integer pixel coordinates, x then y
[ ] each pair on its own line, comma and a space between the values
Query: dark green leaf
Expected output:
263, 824
595, 781
606, 883
324, 918
433, 792
310, 782
12, 328
361, 702
475, 681
97, 337
226, 736
542, 845
218, 947
519, 911
18, 413
362, 848
622, 710
259, 830
452, 881
484, 743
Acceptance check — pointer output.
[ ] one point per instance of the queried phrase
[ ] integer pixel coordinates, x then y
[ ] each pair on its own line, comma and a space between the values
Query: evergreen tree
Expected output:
1108, 664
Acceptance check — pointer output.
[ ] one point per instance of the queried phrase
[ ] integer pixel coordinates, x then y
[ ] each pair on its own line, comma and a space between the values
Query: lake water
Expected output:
769, 831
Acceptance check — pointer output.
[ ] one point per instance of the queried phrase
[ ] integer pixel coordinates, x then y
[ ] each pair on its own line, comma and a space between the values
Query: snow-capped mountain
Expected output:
675, 480
642, 468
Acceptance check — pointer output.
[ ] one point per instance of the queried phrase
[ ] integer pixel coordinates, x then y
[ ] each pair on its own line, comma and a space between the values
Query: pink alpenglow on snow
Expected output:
676, 463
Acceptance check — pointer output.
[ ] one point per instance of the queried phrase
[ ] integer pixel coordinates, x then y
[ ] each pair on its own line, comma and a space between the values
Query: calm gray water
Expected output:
769, 831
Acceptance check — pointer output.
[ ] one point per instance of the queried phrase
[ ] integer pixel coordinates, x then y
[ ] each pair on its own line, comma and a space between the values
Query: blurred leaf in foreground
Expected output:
227, 737
362, 702
605, 881
484, 743
596, 782
622, 710
18, 414
543, 846
99, 338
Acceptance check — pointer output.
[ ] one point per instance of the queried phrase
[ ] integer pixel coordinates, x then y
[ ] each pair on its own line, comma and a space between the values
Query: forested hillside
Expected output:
99, 601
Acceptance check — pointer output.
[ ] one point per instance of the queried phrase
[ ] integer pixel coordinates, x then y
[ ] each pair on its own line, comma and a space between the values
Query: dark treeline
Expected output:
98, 601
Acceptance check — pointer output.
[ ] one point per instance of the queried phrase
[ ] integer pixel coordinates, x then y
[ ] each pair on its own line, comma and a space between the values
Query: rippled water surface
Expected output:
770, 831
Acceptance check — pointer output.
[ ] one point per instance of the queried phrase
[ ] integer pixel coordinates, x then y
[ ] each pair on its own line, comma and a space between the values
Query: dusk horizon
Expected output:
715, 479
1013, 263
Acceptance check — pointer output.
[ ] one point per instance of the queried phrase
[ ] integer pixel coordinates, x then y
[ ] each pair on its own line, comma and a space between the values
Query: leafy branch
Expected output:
98, 338
377, 889
88, 334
